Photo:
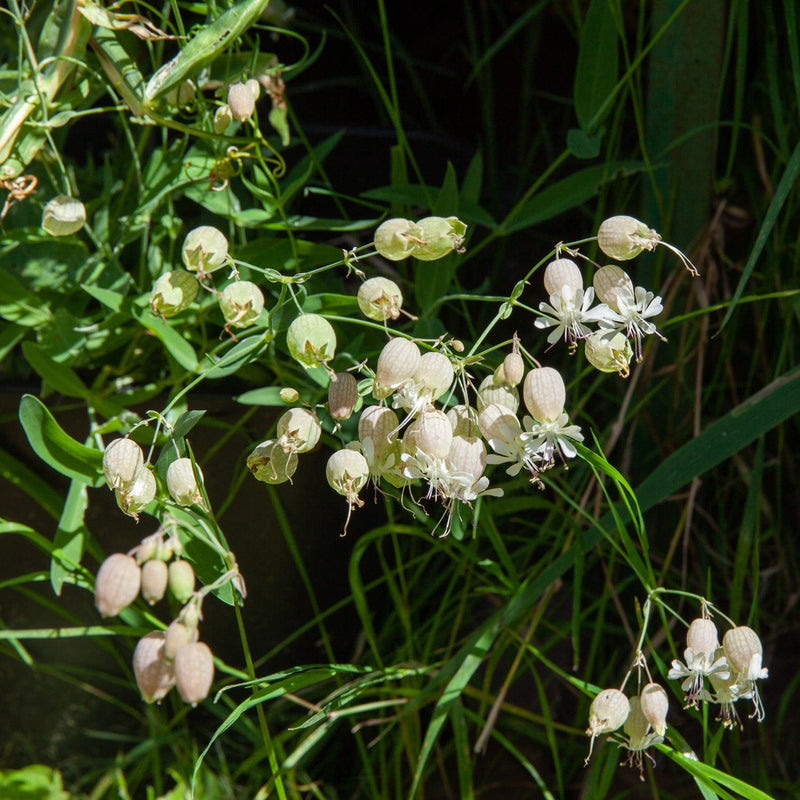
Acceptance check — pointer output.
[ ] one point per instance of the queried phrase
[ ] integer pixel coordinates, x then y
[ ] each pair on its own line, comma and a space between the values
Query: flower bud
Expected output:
135, 497
255, 88
180, 578
544, 394
432, 433
241, 101
289, 395
205, 249
154, 580
379, 424
117, 584
654, 705
463, 420
467, 454
562, 272
298, 430
311, 340
242, 303
172, 293
154, 675
194, 671
500, 394
182, 484
342, 395
702, 637
440, 236
513, 369
609, 282
609, 355
434, 374
178, 633
63, 216
380, 299
397, 362
744, 652
270, 463
396, 239
122, 461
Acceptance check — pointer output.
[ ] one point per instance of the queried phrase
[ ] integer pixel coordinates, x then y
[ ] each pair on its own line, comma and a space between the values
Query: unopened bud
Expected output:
181, 580
63, 216
194, 671
154, 580
117, 584
154, 674
342, 395
241, 101
182, 484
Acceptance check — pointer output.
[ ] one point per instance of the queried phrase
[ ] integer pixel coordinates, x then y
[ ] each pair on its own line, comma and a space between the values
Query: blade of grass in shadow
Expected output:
788, 182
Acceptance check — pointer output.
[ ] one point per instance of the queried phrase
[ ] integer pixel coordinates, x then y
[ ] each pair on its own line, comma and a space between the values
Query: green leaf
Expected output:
598, 63
446, 203
56, 448
70, 536
269, 396
581, 145
244, 352
19, 305
57, 376
205, 46
176, 345
568, 193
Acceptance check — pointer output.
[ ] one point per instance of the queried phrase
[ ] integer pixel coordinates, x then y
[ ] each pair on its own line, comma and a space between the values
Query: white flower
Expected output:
545, 439
511, 447
698, 666
569, 310
634, 311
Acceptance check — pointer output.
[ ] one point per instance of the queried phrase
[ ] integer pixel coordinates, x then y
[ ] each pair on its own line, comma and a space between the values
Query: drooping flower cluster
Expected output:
732, 669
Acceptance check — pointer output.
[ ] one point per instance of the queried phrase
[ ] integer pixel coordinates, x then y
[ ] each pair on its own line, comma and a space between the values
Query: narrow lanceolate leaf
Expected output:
55, 447
204, 47
598, 64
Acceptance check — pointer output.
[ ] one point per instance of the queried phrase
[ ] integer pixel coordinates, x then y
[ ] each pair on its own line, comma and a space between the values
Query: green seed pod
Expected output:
172, 293
608, 282
396, 239
347, 472
241, 101
154, 580
562, 272
501, 394
242, 303
609, 355
122, 461
194, 671
154, 674
342, 395
63, 216
180, 579
311, 340
222, 118
270, 463
298, 430
138, 495
117, 584
205, 249
440, 236
544, 394
380, 299
182, 484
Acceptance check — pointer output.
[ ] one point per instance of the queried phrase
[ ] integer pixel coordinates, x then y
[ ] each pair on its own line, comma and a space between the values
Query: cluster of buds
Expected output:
732, 669
622, 317
162, 659
134, 483
642, 718
151, 568
205, 250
